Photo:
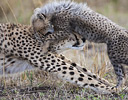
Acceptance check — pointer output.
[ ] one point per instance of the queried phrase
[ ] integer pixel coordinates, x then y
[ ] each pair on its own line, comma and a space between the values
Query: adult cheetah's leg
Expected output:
83, 69
14, 65
65, 71
68, 72
120, 72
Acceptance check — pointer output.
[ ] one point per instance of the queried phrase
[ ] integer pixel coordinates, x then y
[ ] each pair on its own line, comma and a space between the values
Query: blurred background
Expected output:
93, 56
21, 10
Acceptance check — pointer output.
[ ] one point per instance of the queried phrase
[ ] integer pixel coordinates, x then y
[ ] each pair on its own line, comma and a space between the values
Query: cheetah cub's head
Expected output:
58, 40
41, 24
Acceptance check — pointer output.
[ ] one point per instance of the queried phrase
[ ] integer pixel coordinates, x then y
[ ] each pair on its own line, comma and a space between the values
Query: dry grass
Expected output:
48, 87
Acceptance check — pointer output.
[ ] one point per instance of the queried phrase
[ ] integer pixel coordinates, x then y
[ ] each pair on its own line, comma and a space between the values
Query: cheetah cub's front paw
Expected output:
120, 83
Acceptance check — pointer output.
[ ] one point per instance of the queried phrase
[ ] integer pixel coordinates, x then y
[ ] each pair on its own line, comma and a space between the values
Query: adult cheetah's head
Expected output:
60, 44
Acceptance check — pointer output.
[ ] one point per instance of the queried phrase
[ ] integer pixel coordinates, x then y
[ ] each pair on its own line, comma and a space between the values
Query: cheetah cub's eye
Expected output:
41, 16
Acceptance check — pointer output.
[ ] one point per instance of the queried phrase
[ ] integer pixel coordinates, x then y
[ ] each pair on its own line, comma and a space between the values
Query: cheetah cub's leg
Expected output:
120, 72
83, 69
68, 72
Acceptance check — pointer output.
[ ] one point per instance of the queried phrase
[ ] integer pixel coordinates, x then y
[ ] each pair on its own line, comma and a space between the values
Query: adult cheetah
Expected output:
94, 27
18, 45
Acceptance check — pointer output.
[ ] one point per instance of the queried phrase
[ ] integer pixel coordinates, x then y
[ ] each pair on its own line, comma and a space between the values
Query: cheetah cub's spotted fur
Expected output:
94, 27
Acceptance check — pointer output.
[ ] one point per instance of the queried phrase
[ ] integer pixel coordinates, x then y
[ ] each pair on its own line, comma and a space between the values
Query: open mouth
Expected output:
78, 47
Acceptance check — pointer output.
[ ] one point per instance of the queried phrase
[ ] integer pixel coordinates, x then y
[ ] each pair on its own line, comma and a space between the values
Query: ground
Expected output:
43, 85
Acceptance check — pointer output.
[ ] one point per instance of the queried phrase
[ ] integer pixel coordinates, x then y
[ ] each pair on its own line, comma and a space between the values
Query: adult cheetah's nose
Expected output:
83, 39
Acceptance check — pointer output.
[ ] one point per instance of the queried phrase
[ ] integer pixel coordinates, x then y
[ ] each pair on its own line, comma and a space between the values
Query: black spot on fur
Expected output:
112, 88
80, 79
89, 78
82, 75
76, 82
94, 76
64, 67
48, 65
90, 75
102, 86
12, 62
46, 61
92, 85
9, 59
96, 85
84, 69
64, 72
85, 84
70, 68
71, 73
57, 65
53, 61
44, 57
73, 64
72, 78
49, 54
63, 63
59, 69
62, 57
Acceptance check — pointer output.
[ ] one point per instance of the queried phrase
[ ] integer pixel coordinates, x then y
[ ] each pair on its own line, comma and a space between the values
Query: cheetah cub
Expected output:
79, 18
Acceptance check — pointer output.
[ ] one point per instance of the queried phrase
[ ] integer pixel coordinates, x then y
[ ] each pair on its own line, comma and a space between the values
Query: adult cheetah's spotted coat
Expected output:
18, 46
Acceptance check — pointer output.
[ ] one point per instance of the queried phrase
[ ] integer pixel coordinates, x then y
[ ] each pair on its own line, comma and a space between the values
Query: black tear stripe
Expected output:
77, 41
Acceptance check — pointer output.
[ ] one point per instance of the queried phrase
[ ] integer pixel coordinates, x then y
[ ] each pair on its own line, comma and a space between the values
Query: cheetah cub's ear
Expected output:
41, 23
38, 23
